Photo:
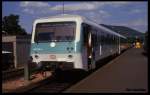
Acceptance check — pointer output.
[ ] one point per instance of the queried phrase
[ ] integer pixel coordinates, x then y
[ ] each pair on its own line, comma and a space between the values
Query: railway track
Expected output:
12, 73
60, 83
66, 80
53, 87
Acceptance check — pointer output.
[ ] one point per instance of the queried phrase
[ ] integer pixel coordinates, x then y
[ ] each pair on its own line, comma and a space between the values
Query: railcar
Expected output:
72, 40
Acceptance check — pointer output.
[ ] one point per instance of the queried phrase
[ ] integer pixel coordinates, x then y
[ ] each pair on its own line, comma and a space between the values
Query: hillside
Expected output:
125, 31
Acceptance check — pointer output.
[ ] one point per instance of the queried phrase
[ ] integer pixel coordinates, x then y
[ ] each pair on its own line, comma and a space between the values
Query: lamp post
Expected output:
119, 43
63, 7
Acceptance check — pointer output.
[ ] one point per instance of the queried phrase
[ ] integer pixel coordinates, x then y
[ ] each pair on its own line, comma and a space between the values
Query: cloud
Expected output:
118, 4
42, 7
77, 6
88, 5
104, 14
33, 4
136, 11
94, 16
97, 16
34, 7
27, 10
37, 7
139, 22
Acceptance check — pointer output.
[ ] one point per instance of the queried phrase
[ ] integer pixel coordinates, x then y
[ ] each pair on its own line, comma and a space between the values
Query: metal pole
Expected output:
63, 7
26, 71
119, 43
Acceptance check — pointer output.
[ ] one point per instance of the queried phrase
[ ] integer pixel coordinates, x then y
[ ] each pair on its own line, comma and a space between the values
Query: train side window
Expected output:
115, 40
94, 37
107, 38
97, 38
102, 38
112, 39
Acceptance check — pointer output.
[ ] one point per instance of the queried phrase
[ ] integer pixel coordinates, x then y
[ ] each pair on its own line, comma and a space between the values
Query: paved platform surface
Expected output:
128, 73
14, 84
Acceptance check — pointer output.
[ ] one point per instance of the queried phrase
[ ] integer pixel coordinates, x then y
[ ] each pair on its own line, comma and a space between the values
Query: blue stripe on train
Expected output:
60, 48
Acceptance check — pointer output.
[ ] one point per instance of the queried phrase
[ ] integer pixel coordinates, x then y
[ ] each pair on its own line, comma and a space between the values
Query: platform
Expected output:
128, 73
19, 84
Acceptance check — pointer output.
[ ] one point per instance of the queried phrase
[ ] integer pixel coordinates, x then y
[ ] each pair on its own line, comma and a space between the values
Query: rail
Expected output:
12, 73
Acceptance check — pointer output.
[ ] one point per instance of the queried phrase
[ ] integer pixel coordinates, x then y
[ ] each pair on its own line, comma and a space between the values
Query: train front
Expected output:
54, 43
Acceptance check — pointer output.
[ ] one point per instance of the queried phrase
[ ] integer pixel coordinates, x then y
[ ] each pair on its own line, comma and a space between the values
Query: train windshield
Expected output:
55, 31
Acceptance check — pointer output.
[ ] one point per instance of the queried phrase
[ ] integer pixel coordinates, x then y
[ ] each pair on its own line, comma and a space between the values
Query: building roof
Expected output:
4, 52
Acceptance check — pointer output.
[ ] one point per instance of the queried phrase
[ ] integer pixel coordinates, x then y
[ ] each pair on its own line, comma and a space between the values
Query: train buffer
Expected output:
127, 73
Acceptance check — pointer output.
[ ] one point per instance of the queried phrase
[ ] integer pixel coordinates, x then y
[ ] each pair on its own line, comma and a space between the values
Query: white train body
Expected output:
73, 40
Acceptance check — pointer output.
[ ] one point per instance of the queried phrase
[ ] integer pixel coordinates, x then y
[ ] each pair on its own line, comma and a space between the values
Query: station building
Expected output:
15, 50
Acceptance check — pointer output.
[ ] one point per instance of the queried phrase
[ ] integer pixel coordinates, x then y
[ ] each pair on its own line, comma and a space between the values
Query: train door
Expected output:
88, 46
93, 48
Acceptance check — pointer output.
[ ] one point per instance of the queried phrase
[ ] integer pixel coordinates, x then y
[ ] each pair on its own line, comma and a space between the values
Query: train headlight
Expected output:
36, 56
52, 44
70, 56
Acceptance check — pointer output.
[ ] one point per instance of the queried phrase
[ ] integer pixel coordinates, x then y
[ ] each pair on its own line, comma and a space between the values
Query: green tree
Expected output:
10, 24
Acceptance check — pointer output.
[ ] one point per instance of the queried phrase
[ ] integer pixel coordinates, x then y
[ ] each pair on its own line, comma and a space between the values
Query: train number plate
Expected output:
52, 56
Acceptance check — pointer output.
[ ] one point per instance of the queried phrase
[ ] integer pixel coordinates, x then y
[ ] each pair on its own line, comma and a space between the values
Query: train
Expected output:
145, 46
74, 41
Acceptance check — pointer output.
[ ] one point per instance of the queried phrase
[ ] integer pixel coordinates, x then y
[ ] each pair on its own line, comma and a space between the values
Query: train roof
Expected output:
61, 16
102, 27
79, 18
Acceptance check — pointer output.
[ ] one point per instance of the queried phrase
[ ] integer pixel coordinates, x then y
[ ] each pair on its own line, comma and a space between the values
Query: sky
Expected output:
133, 14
